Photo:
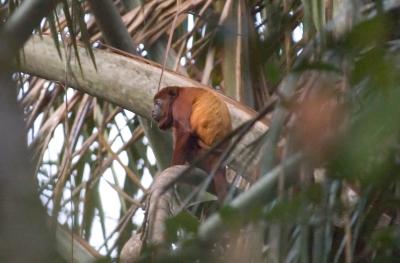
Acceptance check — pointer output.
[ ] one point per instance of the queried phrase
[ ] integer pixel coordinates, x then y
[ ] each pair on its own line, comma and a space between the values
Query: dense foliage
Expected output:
322, 74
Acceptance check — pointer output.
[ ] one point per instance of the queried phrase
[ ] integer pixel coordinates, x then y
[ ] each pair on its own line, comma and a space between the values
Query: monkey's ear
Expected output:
173, 91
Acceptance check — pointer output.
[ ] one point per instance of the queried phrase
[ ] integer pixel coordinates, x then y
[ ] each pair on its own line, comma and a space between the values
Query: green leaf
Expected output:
388, 237
368, 34
319, 65
273, 73
298, 209
180, 225
229, 215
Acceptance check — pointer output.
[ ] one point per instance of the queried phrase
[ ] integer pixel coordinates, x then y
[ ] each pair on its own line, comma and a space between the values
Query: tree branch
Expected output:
160, 205
129, 82
262, 191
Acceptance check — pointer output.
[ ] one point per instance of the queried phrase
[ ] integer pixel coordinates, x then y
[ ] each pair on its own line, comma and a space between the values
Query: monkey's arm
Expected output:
182, 147
184, 140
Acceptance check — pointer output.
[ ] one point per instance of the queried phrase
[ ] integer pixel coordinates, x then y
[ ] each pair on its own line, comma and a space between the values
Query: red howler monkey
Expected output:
199, 119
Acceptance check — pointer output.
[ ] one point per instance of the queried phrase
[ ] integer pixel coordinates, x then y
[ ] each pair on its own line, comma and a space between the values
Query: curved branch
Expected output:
160, 205
160, 201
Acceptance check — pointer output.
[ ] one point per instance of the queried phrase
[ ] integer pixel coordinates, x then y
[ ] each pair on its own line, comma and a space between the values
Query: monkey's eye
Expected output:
157, 102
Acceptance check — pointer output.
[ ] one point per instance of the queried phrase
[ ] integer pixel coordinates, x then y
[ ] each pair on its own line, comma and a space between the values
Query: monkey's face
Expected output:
162, 113
163, 104
158, 112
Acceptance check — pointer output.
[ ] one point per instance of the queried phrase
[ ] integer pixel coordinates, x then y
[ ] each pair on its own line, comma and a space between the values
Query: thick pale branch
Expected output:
129, 82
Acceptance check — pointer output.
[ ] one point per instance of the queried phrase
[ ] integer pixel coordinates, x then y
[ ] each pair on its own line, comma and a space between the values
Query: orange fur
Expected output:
210, 118
199, 119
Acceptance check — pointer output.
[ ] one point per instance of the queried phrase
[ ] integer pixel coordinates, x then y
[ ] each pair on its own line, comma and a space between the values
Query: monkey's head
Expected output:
162, 109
